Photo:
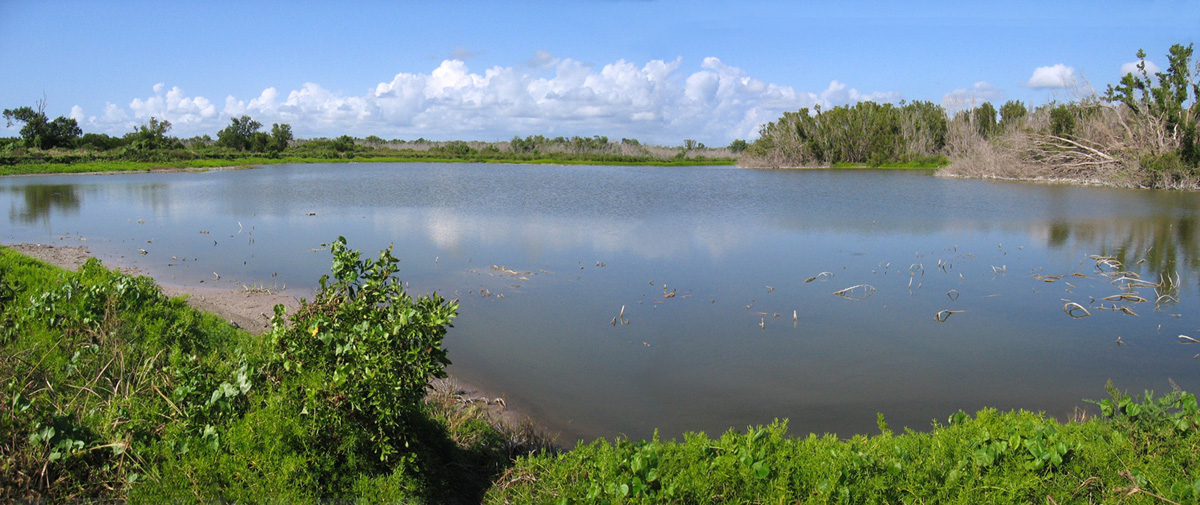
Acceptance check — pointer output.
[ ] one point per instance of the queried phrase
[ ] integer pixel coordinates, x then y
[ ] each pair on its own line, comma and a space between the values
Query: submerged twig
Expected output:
1125, 297
1071, 308
821, 276
859, 292
942, 316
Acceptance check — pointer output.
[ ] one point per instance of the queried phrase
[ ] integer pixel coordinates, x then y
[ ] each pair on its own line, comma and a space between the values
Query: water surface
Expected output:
709, 263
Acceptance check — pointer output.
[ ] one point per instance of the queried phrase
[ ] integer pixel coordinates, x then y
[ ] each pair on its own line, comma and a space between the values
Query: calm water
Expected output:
702, 260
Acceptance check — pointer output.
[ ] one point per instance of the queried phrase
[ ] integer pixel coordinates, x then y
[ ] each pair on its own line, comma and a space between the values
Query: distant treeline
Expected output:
1141, 132
61, 141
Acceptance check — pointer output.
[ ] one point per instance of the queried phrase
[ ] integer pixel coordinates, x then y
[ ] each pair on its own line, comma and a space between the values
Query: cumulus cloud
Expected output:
965, 98
1131, 68
1056, 76
656, 101
173, 106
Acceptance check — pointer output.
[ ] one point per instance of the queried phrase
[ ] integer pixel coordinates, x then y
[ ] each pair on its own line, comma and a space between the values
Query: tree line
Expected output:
1140, 132
62, 140
866, 132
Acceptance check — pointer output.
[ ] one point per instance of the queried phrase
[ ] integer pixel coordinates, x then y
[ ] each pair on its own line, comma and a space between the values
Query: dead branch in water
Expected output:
1072, 309
859, 292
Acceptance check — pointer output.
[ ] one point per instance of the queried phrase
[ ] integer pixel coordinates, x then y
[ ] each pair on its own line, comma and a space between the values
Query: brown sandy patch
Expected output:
246, 308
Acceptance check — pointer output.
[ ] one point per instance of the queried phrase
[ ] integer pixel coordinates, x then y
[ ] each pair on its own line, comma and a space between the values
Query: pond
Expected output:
609, 301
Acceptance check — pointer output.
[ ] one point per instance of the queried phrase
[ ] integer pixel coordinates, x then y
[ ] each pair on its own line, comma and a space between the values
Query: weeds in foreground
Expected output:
1142, 447
112, 391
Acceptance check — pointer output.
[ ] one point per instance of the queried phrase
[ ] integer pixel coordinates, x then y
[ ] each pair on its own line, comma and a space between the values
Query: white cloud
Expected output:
969, 98
113, 114
1131, 68
1056, 76
543, 59
837, 94
174, 106
655, 102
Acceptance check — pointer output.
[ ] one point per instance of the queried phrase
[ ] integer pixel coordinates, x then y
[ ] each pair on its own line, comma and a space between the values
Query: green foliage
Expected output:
152, 136
1012, 115
456, 148
738, 146
281, 137
1013, 457
343, 144
1155, 421
87, 364
38, 131
243, 135
100, 142
867, 133
111, 392
1172, 97
1062, 121
984, 118
362, 354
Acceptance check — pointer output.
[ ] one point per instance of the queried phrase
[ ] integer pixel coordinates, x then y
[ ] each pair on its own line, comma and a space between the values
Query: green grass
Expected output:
110, 391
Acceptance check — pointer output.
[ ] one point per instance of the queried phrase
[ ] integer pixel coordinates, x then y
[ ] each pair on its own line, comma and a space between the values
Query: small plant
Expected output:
638, 474
1151, 421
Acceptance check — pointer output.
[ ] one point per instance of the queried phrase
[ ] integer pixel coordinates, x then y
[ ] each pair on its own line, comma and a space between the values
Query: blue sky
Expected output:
659, 71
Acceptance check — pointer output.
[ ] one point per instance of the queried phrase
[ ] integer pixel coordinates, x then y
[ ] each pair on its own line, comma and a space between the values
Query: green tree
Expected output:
343, 144
239, 135
984, 118
100, 142
1166, 101
40, 132
738, 146
1012, 115
152, 136
281, 136
1062, 121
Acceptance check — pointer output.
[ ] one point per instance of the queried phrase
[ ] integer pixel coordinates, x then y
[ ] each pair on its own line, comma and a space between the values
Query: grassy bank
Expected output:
113, 392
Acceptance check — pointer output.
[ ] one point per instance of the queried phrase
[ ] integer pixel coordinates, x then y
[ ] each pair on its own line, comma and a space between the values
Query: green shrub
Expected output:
358, 360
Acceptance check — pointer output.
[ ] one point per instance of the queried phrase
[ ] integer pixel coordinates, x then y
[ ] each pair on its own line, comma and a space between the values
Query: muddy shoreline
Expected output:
251, 309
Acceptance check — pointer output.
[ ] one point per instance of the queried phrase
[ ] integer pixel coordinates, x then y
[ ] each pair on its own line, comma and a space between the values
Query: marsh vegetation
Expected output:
1141, 132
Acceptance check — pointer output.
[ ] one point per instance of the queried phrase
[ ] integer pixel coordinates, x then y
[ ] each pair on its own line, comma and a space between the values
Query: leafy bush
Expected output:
358, 359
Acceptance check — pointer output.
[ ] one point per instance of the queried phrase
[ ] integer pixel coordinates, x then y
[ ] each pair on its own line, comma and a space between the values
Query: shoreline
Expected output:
251, 310
99, 167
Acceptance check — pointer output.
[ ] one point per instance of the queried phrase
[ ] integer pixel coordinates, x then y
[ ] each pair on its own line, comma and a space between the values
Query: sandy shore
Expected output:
252, 310
248, 309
